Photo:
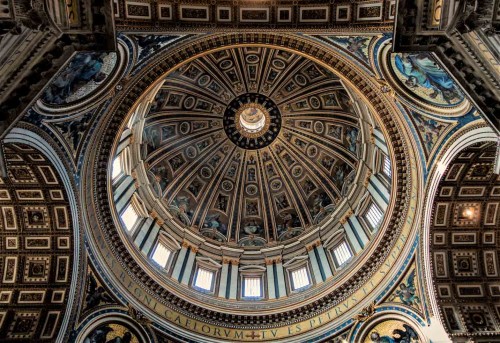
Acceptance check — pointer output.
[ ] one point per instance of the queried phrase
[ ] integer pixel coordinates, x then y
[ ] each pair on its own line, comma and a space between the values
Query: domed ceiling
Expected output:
241, 165
251, 144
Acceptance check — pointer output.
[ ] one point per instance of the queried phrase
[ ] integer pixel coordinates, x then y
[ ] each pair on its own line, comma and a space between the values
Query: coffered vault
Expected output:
241, 171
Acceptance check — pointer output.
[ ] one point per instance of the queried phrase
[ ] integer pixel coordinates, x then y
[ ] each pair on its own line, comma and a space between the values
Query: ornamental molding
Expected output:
322, 299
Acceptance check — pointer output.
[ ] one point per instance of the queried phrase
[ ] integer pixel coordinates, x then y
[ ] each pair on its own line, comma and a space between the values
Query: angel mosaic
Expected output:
161, 176
183, 205
357, 45
149, 44
73, 131
320, 201
407, 291
95, 294
151, 137
253, 228
213, 221
430, 130
288, 221
339, 173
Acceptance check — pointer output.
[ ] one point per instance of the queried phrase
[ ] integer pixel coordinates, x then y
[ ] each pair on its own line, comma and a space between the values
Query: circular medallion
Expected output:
204, 80
315, 103
206, 173
319, 127
252, 59
226, 64
184, 127
276, 185
189, 102
300, 79
252, 121
312, 151
297, 171
251, 189
279, 64
227, 185
191, 152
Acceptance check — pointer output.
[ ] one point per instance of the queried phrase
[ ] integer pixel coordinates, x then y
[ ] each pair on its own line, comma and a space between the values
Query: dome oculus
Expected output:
252, 121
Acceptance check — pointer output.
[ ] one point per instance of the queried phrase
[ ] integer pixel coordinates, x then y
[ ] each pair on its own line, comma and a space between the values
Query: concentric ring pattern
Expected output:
237, 190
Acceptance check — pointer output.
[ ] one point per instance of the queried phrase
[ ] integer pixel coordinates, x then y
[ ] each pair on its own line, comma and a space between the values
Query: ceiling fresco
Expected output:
252, 188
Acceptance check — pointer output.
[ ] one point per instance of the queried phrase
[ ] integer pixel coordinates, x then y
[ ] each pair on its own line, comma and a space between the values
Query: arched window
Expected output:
373, 216
204, 279
129, 217
386, 167
252, 287
341, 254
300, 278
161, 254
117, 169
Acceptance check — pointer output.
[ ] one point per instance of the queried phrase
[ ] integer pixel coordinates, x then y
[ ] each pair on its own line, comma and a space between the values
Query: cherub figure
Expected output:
406, 292
95, 294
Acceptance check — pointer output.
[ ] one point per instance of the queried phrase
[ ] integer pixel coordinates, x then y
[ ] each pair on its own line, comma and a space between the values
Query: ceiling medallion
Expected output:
252, 121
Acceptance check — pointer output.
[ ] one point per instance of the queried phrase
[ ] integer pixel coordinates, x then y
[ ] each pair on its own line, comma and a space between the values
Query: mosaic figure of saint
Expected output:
421, 70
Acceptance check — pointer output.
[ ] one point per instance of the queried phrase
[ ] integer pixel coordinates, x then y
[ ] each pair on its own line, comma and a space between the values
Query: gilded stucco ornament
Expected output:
334, 301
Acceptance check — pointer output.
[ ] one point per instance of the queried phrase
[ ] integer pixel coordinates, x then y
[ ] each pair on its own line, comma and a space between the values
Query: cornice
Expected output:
96, 176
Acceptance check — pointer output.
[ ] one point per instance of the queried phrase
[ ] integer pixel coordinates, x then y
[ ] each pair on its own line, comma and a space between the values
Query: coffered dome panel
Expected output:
252, 144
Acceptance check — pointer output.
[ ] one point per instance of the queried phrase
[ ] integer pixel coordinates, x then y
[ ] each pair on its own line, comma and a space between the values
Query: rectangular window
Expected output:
300, 278
161, 254
116, 168
129, 217
387, 167
342, 254
251, 287
374, 216
204, 279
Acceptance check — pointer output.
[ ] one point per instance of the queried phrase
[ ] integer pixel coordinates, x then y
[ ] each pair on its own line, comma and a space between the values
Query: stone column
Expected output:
233, 287
280, 274
189, 265
223, 277
271, 286
316, 271
323, 261
180, 261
